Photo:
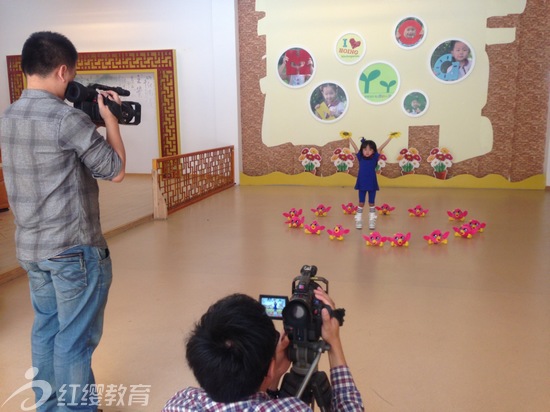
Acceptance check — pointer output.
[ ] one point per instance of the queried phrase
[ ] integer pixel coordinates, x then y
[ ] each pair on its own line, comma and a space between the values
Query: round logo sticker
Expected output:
350, 48
378, 83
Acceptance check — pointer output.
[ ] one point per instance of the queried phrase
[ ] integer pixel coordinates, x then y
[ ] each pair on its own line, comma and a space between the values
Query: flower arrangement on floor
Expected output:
311, 159
342, 159
409, 159
440, 159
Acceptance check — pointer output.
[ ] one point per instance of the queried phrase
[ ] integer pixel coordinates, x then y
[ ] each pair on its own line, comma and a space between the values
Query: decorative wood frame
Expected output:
161, 63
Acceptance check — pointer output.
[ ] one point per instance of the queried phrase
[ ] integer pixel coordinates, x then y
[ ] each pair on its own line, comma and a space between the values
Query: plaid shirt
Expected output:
52, 154
345, 398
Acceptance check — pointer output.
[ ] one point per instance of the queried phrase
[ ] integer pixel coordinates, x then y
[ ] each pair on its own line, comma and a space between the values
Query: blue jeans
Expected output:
68, 294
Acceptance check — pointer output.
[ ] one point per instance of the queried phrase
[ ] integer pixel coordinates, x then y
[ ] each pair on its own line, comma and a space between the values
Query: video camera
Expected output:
301, 314
85, 99
302, 321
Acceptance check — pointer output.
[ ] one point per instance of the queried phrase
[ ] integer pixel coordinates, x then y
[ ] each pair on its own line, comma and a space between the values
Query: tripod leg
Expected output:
290, 386
310, 372
322, 391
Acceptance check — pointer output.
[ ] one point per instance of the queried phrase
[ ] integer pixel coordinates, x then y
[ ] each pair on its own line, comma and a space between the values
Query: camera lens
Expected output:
298, 312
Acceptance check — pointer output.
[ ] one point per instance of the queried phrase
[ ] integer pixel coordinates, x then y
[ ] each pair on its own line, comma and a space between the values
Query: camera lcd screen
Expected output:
274, 305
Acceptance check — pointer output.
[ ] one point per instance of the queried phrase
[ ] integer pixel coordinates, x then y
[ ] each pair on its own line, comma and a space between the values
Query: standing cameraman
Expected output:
52, 154
238, 360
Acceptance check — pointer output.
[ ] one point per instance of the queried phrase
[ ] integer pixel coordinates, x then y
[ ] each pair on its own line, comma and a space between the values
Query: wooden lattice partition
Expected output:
181, 180
162, 63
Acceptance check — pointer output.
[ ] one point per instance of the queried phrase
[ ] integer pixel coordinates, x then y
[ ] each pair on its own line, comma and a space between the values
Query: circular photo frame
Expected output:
350, 48
378, 83
295, 67
452, 61
328, 102
410, 32
415, 103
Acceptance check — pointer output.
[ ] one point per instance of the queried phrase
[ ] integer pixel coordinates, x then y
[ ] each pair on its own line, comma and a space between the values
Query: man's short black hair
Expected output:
44, 51
231, 347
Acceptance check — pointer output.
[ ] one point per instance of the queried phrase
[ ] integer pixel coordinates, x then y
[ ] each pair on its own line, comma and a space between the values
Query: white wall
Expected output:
547, 153
202, 32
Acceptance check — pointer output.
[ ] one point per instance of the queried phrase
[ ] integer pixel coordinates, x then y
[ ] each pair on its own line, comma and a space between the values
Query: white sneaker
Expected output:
358, 221
372, 220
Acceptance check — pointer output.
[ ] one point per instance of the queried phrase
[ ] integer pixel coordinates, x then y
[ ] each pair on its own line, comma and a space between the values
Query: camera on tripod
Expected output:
85, 99
302, 316
302, 321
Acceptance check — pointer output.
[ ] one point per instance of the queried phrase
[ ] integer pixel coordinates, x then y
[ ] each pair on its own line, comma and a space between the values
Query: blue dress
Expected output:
366, 178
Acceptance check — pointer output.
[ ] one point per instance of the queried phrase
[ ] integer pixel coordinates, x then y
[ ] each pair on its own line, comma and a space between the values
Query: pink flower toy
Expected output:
375, 239
314, 228
349, 209
418, 211
385, 209
296, 222
476, 225
338, 233
437, 237
457, 214
400, 239
321, 210
464, 231
291, 213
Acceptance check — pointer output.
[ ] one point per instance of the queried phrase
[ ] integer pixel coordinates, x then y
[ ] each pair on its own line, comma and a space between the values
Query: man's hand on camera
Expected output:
330, 330
104, 110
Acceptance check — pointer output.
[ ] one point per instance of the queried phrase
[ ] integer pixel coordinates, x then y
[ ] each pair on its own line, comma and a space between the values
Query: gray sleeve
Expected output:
79, 134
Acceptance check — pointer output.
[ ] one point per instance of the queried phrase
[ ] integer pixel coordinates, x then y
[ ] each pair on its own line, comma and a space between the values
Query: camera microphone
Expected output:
118, 90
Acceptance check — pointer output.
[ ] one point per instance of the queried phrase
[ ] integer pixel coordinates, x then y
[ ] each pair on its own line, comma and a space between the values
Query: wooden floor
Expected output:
457, 327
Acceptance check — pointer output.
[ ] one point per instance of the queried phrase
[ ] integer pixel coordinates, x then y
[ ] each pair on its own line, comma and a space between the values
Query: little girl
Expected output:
366, 177
461, 54
333, 107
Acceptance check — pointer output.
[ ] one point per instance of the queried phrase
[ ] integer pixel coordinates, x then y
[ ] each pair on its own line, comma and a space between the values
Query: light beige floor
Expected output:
457, 327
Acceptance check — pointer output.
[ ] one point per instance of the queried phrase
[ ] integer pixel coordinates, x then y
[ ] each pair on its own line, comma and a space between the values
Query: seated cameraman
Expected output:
238, 358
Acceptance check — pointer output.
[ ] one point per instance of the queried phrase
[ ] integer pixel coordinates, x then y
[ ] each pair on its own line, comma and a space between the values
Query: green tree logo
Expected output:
378, 83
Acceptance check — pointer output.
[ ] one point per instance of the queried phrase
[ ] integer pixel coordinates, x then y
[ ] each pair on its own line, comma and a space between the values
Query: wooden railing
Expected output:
181, 180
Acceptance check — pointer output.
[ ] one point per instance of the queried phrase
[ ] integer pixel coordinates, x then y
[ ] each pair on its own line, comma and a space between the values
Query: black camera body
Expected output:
303, 322
302, 315
85, 98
